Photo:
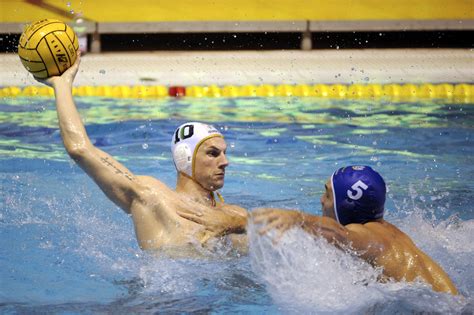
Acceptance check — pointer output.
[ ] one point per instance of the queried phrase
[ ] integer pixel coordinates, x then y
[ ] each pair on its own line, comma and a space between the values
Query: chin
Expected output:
217, 185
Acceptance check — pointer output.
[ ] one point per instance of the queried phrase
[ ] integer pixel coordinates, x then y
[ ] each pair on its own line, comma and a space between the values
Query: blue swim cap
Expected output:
359, 194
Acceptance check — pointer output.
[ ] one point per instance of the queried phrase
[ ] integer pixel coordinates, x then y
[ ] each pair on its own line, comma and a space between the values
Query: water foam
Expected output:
306, 274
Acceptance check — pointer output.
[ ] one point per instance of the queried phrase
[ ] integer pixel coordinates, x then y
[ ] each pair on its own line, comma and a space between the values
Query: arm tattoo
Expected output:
107, 162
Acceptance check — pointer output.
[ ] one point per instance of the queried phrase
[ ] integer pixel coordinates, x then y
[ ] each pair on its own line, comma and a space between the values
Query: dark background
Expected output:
272, 41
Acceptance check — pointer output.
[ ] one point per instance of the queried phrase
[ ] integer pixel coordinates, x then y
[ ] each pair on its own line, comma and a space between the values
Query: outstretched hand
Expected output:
278, 219
218, 221
67, 77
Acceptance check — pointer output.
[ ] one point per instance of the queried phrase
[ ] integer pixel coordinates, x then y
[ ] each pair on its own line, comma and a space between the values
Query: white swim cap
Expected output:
185, 143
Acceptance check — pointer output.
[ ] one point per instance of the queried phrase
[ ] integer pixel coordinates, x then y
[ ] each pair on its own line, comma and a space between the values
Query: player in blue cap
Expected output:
359, 195
353, 208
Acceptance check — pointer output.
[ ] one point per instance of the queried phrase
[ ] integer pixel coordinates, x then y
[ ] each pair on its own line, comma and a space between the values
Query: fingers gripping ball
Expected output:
48, 48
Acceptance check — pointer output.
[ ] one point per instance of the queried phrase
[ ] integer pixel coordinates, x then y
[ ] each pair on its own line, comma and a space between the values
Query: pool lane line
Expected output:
459, 92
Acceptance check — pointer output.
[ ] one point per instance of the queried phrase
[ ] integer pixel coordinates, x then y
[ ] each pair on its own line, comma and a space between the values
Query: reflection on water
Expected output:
363, 113
24, 116
65, 248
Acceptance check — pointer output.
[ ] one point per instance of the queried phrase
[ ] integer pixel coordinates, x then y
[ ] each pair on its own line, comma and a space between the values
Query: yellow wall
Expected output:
237, 10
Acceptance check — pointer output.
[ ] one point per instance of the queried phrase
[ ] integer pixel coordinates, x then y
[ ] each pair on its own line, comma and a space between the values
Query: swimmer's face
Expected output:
327, 201
210, 163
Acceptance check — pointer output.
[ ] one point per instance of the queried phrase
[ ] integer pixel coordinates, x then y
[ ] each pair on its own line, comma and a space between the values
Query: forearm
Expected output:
225, 219
326, 227
238, 225
226, 223
72, 129
235, 219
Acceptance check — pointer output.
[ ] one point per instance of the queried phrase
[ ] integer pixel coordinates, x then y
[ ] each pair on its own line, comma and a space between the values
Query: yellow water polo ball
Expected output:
48, 48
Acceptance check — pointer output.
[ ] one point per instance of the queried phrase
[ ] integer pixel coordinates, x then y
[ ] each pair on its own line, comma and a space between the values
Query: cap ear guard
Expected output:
182, 157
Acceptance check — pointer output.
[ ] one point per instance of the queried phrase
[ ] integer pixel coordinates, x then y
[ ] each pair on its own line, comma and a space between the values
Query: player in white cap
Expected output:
163, 217
185, 144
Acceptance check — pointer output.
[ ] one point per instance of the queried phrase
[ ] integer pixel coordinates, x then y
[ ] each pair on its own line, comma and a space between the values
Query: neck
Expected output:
188, 186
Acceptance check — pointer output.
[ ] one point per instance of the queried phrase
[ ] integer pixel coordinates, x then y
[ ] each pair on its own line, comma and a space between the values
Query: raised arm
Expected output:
115, 180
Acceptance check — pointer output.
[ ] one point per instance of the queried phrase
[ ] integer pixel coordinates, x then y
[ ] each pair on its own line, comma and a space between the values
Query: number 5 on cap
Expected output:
357, 187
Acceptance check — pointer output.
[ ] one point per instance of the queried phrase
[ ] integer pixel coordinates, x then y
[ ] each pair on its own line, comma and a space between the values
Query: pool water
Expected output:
65, 248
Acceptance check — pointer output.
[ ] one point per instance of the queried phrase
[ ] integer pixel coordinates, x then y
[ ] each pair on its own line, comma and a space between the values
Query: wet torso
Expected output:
157, 224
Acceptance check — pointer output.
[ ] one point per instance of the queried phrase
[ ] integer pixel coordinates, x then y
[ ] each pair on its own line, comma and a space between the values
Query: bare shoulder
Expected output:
157, 199
362, 228
373, 227
387, 229
379, 235
152, 186
369, 236
150, 180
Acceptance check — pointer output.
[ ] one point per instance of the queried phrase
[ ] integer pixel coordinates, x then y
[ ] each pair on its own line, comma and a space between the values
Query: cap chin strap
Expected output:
212, 193
213, 198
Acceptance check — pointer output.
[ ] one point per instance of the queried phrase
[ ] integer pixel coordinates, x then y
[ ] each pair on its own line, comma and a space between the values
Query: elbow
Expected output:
77, 152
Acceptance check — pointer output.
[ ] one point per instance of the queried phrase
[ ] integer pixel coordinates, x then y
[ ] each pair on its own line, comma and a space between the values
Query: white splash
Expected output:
308, 275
